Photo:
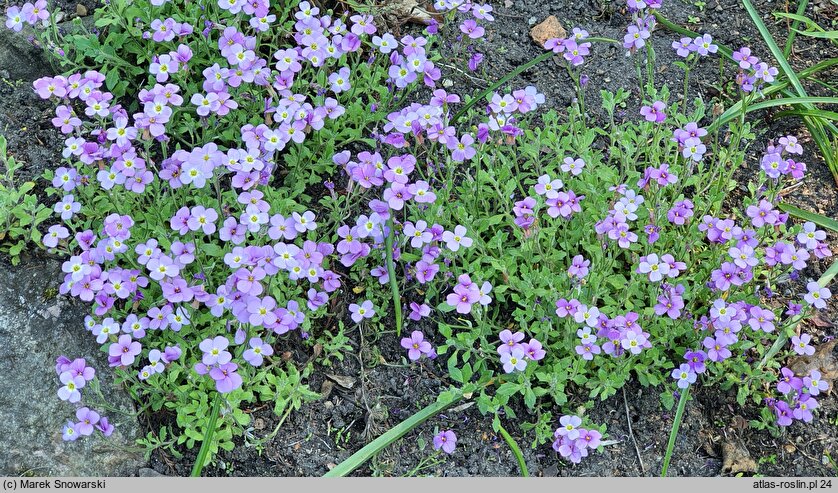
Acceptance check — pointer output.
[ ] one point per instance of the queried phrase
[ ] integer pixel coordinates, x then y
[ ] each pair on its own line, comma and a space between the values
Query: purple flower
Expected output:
654, 113
362, 311
445, 440
463, 297
514, 360
805, 404
474, 61
202, 218
587, 315
704, 45
810, 237
573, 166
633, 341
762, 214
744, 57
684, 375
653, 267
69, 433
71, 391
509, 341
783, 413
472, 29
801, 345
569, 427
761, 319
258, 349
87, 420
416, 345
695, 360
534, 351
635, 38
683, 47
589, 438
789, 382
454, 240
215, 351
226, 378
817, 295
105, 427
125, 349
417, 311
579, 267
716, 351
813, 383
55, 233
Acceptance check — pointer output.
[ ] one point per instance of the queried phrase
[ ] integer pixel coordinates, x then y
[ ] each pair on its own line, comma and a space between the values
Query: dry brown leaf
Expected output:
326, 389
736, 458
823, 360
343, 381
411, 11
548, 29
819, 321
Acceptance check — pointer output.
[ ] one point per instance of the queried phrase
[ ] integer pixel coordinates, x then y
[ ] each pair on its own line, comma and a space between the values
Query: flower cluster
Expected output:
74, 375
753, 73
217, 362
574, 49
572, 441
515, 354
797, 399
28, 13
775, 163
467, 293
701, 46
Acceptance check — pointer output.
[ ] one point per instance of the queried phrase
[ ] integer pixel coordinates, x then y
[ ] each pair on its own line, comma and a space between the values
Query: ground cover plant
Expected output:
241, 174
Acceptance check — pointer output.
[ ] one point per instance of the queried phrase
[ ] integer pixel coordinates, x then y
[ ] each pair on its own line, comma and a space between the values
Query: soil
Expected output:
325, 432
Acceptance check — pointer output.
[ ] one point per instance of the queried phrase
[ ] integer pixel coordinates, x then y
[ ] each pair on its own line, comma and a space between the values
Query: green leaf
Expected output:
819, 219
360, 457
508, 388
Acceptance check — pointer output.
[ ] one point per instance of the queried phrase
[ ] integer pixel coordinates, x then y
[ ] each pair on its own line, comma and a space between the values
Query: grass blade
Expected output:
829, 115
357, 459
819, 219
391, 273
814, 125
673, 433
208, 436
793, 29
775, 50
516, 450
734, 110
482, 94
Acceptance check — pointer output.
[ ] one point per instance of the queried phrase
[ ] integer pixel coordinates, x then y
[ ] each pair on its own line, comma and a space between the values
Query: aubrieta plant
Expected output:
239, 174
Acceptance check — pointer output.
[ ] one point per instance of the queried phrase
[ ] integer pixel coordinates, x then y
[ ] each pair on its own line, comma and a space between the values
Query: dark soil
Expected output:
386, 391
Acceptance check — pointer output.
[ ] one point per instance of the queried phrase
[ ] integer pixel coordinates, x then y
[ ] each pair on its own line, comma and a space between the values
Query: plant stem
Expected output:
670, 446
391, 273
357, 459
535, 61
208, 436
516, 450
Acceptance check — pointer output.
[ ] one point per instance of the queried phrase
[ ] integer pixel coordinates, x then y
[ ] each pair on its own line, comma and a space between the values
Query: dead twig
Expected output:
631, 433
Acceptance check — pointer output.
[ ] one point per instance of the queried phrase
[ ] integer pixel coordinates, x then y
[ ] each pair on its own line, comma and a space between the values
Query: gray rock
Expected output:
147, 472
20, 58
35, 328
